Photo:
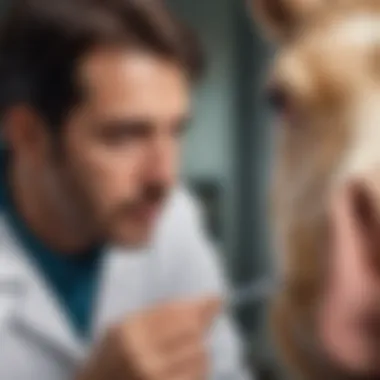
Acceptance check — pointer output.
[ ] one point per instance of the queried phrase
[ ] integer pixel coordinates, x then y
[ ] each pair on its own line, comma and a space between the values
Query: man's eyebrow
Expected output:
133, 123
124, 123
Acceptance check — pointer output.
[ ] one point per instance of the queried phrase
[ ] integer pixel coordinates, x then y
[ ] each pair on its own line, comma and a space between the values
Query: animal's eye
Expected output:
278, 99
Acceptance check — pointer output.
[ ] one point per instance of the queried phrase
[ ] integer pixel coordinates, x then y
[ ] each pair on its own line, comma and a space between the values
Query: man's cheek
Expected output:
111, 179
118, 174
106, 193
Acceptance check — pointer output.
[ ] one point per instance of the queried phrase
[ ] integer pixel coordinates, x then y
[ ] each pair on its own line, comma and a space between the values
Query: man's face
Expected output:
121, 144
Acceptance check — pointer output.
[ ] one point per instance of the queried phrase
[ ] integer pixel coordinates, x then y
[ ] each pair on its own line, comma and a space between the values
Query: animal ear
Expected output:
281, 18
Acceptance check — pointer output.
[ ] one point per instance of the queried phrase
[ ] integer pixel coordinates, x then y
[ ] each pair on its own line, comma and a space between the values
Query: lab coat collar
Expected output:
126, 285
35, 310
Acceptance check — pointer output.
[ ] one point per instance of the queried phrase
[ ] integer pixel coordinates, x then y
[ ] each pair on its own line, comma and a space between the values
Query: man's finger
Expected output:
208, 311
185, 321
188, 359
199, 310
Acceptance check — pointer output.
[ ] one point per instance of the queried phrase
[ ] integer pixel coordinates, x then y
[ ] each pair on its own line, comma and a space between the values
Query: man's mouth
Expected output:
147, 212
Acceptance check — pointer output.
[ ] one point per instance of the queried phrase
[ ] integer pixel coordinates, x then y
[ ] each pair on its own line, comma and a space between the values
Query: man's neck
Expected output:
46, 220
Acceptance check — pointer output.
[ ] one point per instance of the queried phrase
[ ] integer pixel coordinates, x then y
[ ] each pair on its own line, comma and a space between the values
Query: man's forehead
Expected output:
120, 80
114, 65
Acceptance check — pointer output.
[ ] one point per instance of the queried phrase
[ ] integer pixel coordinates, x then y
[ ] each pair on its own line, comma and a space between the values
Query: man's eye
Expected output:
116, 137
117, 134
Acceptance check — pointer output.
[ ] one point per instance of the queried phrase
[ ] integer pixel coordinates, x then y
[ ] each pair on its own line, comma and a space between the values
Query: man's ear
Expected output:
281, 18
23, 131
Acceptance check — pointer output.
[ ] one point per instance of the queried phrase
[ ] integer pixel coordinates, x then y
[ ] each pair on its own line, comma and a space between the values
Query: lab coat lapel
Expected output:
129, 282
134, 279
36, 312
127, 286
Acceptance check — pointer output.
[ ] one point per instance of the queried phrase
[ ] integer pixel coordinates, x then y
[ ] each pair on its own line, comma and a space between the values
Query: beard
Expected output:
119, 218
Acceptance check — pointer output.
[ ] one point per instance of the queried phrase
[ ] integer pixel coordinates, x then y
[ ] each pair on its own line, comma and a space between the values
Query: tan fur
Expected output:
328, 71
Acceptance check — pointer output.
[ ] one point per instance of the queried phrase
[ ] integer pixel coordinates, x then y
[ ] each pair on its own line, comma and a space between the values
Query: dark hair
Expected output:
42, 40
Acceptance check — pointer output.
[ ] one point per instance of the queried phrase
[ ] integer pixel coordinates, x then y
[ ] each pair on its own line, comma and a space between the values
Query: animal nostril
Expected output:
364, 207
366, 214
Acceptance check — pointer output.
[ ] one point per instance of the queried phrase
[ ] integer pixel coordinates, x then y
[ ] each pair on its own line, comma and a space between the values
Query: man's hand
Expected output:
166, 343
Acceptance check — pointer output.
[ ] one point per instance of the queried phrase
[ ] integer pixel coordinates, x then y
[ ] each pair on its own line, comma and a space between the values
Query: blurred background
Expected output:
227, 154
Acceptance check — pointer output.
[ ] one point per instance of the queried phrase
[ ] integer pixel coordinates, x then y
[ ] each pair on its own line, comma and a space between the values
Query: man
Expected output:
105, 271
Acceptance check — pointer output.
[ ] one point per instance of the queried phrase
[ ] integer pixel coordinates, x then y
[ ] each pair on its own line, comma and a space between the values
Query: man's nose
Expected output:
162, 163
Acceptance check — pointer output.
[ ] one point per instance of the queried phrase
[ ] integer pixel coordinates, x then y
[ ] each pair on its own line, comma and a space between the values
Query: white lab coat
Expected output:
36, 340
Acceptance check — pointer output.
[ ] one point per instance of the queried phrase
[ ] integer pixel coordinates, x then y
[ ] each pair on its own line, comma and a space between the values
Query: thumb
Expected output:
208, 310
